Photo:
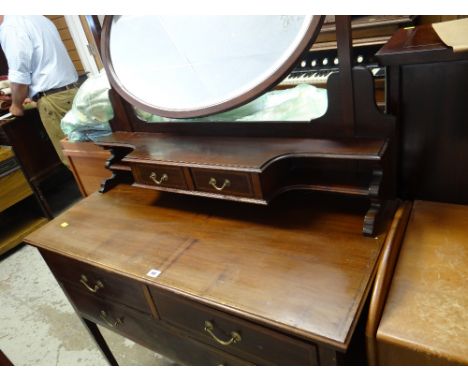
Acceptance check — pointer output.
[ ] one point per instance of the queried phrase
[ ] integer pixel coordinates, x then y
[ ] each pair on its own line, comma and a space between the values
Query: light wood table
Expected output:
425, 320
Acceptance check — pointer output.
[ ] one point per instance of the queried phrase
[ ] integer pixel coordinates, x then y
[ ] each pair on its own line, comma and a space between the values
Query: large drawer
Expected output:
159, 176
95, 281
232, 334
146, 331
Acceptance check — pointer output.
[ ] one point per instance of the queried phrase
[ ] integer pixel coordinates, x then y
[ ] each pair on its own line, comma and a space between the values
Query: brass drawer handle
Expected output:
154, 178
235, 337
116, 323
226, 183
84, 281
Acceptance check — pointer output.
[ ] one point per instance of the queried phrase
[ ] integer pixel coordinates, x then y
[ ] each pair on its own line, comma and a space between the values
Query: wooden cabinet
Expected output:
36, 156
284, 285
427, 91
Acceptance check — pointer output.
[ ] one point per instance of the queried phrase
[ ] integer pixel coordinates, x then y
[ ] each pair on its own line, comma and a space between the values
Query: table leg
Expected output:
100, 341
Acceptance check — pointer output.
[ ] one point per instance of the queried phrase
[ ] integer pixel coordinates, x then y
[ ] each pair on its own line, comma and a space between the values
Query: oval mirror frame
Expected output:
305, 42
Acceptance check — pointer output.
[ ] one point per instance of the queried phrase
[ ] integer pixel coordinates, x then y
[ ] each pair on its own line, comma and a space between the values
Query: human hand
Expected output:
17, 111
28, 104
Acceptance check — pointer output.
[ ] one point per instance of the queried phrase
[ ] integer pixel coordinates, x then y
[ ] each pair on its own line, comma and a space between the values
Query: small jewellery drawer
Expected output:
97, 282
159, 176
222, 182
231, 334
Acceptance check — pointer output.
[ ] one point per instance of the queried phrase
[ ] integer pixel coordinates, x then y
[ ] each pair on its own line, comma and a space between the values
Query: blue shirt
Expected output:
35, 53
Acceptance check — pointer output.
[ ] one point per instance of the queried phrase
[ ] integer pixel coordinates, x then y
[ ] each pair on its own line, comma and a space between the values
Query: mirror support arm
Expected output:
345, 57
95, 27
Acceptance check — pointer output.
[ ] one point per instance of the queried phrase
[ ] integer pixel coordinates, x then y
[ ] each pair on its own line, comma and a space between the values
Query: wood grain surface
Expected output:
87, 162
300, 266
383, 278
13, 188
425, 320
238, 152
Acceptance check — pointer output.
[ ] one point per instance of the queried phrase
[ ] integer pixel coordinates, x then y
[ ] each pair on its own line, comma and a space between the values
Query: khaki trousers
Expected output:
52, 108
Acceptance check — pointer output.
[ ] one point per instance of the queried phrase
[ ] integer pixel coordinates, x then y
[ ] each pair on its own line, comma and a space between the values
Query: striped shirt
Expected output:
35, 53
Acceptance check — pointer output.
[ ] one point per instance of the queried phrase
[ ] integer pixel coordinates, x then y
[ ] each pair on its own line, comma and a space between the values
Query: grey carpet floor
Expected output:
38, 326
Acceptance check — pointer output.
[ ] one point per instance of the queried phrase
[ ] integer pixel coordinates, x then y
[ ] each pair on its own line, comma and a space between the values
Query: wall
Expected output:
59, 21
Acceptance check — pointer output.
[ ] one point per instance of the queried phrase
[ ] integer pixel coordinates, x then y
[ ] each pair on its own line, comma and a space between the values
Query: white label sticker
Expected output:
153, 273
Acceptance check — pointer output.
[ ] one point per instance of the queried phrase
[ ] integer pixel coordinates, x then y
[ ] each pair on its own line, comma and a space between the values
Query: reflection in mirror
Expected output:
302, 102
180, 66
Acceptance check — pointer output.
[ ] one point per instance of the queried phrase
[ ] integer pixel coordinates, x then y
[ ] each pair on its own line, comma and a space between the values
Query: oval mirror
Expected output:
192, 66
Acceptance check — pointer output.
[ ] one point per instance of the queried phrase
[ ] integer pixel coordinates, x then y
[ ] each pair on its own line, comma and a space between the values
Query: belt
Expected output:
55, 90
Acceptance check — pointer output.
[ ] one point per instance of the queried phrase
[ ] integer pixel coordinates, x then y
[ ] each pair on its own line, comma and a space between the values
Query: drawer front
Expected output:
232, 334
97, 282
146, 331
222, 182
159, 176
127, 321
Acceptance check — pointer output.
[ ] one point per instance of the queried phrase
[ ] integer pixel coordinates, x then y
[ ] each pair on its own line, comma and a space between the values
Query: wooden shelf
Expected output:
235, 153
13, 185
19, 213
13, 189
247, 169
338, 182
17, 222
269, 162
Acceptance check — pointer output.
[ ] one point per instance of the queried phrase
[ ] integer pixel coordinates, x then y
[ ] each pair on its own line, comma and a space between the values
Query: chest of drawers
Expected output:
215, 282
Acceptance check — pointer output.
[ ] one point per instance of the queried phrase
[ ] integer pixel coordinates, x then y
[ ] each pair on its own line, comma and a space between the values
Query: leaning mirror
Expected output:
192, 66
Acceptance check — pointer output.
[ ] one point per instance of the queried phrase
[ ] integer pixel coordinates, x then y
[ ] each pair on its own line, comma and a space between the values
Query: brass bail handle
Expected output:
84, 281
226, 183
154, 178
235, 337
117, 322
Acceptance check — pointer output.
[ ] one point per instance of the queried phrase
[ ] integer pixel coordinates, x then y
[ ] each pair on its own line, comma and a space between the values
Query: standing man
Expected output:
39, 68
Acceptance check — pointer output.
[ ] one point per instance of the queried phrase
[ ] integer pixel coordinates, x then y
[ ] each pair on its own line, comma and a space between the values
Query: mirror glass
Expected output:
190, 66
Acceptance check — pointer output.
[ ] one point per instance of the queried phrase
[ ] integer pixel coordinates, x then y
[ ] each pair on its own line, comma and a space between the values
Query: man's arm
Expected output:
18, 49
19, 92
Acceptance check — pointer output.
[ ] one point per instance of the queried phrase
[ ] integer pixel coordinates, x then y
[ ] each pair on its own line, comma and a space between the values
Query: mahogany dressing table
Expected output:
194, 248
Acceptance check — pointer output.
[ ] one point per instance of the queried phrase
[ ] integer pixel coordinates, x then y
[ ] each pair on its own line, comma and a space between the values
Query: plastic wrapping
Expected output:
301, 103
90, 112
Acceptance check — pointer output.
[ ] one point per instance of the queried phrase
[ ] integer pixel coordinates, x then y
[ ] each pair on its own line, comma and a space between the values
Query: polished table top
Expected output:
300, 265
